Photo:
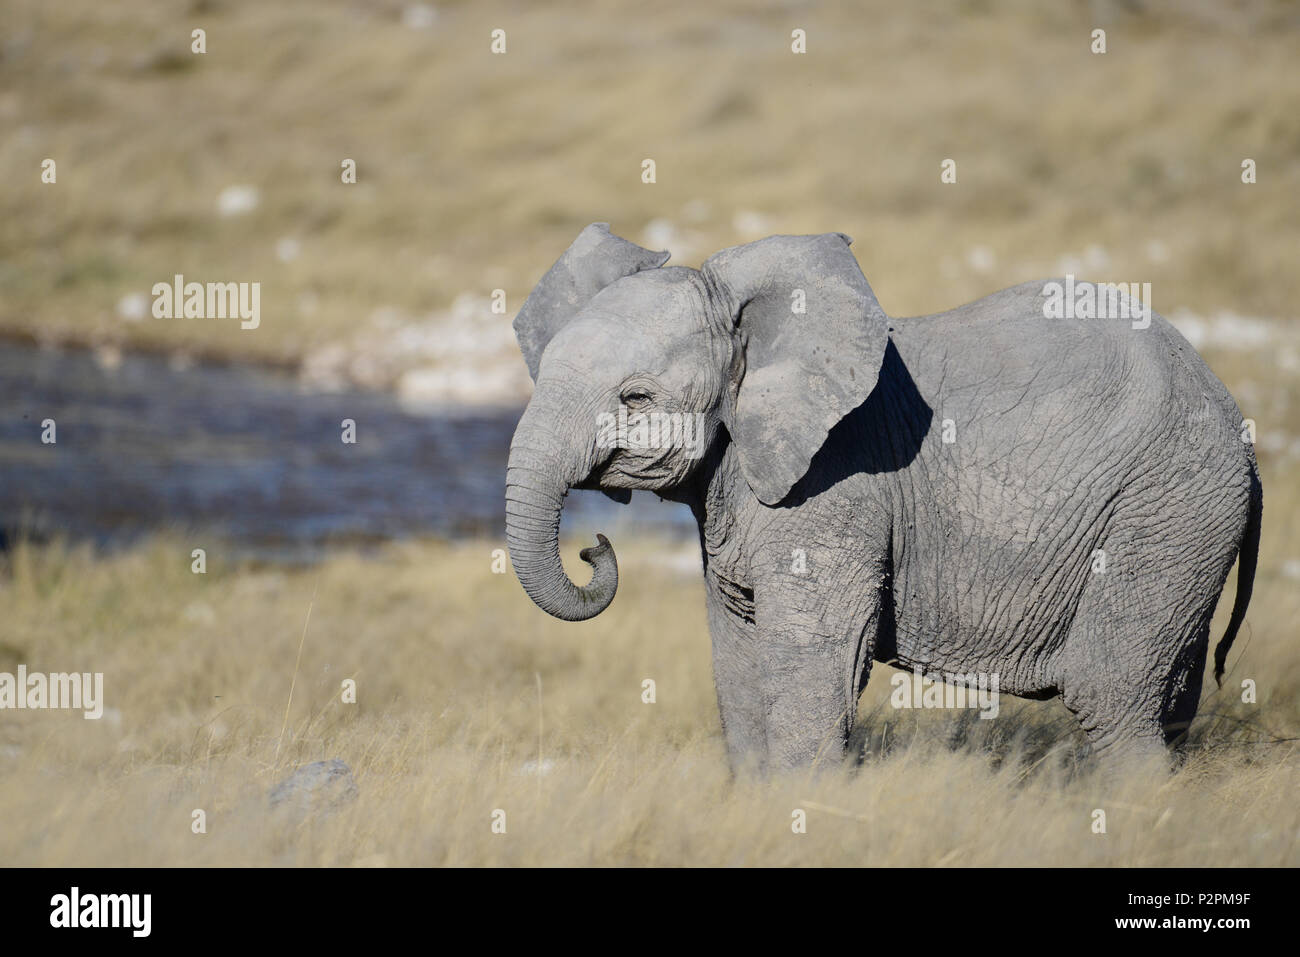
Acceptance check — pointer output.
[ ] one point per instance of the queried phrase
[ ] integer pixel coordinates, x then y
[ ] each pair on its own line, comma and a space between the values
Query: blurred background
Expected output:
474, 171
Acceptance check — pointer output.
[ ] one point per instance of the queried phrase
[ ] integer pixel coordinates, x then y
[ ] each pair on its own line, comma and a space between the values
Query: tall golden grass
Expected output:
449, 725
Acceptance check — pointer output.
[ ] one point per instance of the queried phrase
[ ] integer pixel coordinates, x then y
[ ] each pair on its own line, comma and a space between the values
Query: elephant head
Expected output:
767, 346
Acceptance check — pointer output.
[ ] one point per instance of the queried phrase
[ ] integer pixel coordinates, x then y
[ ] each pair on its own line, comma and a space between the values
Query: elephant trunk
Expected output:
537, 479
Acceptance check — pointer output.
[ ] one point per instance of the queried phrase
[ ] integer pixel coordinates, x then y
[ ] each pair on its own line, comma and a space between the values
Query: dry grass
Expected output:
446, 656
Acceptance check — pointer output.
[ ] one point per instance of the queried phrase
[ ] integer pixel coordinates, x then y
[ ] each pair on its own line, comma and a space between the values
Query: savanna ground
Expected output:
474, 172
465, 691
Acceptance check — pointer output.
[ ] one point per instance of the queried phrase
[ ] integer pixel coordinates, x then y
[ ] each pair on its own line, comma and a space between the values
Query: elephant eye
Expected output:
635, 397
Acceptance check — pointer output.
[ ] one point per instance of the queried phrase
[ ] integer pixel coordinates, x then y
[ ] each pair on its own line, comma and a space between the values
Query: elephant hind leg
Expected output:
1123, 725
1134, 682
1116, 728
1134, 661
1183, 689
1146, 709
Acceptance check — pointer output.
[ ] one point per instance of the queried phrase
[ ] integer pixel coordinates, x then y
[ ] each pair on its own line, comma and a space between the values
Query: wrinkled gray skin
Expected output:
826, 435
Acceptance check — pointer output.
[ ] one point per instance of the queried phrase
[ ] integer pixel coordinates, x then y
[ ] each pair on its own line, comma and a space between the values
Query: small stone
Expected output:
320, 786
133, 307
237, 200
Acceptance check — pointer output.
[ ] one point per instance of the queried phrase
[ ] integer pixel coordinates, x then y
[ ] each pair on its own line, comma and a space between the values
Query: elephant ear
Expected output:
596, 259
813, 338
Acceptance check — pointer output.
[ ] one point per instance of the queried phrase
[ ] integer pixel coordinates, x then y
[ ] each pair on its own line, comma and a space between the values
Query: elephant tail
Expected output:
1247, 557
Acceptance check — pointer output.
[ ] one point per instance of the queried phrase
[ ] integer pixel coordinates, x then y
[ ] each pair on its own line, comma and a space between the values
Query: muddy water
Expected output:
248, 455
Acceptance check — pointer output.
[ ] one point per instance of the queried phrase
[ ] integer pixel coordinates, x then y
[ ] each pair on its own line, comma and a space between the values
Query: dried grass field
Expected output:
469, 701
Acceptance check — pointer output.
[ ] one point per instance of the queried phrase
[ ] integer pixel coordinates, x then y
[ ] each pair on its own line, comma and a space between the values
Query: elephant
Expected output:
1056, 502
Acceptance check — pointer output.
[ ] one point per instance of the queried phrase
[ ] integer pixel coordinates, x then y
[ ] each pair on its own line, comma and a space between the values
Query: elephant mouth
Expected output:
598, 474
621, 473
599, 480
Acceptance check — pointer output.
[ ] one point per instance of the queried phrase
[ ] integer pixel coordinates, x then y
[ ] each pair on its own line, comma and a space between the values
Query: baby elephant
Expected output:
1003, 491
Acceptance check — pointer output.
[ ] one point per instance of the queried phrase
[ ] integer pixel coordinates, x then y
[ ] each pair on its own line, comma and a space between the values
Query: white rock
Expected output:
133, 307
320, 786
237, 200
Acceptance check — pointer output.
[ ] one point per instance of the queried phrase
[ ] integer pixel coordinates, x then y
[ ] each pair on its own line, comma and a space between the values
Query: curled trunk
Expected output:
537, 479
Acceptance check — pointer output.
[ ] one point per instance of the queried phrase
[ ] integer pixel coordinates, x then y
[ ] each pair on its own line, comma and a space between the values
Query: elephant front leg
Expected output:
810, 702
788, 667
737, 673
816, 652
